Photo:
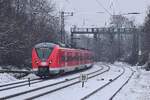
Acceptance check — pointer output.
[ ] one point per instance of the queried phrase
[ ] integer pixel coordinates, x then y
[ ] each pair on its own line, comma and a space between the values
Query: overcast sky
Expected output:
85, 11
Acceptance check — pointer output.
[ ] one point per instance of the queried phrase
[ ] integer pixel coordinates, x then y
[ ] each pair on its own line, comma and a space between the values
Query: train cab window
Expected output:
43, 53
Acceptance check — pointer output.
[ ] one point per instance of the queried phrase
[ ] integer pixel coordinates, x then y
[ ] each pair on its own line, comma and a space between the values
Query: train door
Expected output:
62, 58
76, 58
70, 58
79, 60
73, 58
66, 58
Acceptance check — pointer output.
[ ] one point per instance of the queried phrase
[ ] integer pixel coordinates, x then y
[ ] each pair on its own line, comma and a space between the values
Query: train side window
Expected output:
63, 58
66, 58
76, 58
81, 58
70, 58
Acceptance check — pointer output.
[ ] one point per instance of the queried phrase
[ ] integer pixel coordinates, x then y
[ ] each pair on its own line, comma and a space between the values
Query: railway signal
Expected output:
83, 78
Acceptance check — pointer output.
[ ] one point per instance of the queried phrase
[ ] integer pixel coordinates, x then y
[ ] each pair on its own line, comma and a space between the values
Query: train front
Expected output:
41, 58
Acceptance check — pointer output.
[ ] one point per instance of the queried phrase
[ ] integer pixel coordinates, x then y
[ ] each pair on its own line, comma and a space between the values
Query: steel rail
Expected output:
65, 86
17, 82
122, 85
24, 92
12, 87
103, 86
5, 85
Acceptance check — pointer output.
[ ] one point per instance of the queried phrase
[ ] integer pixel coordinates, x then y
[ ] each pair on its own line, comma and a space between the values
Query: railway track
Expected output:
126, 82
19, 84
32, 81
105, 85
60, 85
96, 73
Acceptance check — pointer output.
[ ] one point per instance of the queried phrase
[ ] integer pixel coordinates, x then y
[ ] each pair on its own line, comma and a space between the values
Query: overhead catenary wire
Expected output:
99, 3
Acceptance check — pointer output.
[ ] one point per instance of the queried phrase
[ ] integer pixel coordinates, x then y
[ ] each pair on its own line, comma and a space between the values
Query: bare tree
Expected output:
23, 23
146, 38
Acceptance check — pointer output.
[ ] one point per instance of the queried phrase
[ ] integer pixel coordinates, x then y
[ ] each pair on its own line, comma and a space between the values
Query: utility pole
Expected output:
139, 45
62, 27
62, 30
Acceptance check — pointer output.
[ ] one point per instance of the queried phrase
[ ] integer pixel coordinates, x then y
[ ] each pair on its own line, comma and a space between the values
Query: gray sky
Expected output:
85, 11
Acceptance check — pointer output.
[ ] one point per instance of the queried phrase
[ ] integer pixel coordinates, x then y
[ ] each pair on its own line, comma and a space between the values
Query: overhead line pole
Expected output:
62, 30
62, 26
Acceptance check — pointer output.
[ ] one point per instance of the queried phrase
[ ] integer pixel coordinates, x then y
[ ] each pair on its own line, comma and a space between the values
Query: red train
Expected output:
49, 58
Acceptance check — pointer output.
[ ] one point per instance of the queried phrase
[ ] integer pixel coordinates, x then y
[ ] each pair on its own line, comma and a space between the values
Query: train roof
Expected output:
45, 44
75, 49
52, 45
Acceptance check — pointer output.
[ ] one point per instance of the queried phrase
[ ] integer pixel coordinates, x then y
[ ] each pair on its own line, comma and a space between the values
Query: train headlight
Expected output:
36, 62
50, 62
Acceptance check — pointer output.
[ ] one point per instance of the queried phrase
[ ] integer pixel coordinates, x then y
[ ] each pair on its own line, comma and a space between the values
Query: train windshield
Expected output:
43, 53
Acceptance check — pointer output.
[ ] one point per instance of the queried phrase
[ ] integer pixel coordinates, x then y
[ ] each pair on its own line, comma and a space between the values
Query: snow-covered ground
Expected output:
10, 77
137, 88
31, 76
5, 78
